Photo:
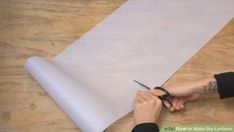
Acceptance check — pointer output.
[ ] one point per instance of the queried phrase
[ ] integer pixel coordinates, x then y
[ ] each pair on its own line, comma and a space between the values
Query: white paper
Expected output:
144, 40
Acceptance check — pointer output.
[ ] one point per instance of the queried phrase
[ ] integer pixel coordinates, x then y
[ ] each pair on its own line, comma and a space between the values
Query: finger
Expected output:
140, 99
157, 100
138, 104
139, 92
171, 108
145, 95
178, 106
168, 105
174, 103
182, 106
156, 92
181, 102
165, 102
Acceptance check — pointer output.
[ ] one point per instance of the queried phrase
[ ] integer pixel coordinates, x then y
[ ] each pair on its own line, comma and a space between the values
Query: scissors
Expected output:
164, 98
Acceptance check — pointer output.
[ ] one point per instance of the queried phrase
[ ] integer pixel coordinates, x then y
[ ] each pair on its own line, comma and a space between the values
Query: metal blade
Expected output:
143, 85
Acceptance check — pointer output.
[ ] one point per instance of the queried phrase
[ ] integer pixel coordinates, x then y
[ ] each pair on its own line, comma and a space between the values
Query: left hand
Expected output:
147, 108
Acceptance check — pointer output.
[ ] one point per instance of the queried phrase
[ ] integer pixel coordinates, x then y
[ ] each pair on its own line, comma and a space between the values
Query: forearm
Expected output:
223, 84
206, 86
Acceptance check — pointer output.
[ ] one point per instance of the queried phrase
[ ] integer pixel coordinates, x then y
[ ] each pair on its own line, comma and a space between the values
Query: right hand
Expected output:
183, 92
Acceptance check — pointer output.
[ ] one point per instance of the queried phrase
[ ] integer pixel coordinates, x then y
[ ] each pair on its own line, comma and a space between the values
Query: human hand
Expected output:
147, 108
183, 92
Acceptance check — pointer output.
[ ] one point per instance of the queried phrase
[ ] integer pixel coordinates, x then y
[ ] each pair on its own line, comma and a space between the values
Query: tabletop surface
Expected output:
46, 27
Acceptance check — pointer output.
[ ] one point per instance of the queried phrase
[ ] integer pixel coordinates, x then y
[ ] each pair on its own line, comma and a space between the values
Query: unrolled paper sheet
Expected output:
145, 40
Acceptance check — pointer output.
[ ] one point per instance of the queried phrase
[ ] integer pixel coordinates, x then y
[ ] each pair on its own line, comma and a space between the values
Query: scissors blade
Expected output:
143, 85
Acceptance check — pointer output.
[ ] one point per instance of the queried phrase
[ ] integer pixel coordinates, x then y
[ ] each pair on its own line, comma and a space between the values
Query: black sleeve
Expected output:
225, 83
146, 127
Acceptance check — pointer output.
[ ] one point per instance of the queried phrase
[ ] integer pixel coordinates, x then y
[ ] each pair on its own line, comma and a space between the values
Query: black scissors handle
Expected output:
164, 98
167, 94
165, 102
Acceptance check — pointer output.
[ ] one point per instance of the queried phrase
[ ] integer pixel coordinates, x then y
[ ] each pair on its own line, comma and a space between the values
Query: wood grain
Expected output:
46, 27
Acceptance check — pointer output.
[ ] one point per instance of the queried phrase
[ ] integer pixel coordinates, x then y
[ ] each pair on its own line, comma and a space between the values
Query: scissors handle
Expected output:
164, 98
165, 102
167, 94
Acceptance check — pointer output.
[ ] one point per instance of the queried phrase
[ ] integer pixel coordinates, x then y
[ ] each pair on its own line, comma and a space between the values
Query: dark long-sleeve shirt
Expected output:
225, 83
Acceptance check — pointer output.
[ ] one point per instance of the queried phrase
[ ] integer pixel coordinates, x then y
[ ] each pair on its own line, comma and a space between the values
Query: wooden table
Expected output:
45, 28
